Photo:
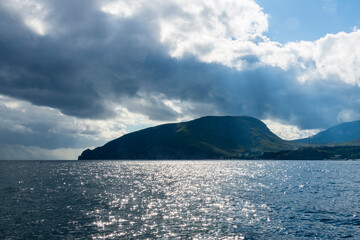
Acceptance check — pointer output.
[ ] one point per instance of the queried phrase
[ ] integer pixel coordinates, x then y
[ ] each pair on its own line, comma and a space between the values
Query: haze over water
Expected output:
179, 200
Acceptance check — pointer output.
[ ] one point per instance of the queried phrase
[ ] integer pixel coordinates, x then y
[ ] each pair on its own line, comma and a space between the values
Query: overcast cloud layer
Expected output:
74, 74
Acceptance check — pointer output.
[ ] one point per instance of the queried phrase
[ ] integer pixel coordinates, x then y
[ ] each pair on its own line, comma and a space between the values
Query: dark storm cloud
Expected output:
89, 58
264, 92
34, 127
44, 71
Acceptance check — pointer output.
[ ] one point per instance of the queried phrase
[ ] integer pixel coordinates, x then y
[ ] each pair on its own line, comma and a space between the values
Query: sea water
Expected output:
179, 200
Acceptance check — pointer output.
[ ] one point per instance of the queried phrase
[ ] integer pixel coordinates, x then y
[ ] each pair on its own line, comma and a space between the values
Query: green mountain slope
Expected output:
316, 153
203, 138
344, 132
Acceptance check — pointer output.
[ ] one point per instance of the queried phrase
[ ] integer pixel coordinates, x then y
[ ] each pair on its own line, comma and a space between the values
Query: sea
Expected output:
179, 199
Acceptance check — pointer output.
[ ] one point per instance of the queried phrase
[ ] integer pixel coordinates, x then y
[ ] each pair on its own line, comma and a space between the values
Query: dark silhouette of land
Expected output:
228, 137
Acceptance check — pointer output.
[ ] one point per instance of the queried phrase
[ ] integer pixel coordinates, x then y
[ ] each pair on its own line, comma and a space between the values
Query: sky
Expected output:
76, 74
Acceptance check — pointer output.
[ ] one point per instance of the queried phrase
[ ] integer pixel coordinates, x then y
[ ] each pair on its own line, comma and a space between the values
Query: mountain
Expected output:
344, 132
315, 153
203, 138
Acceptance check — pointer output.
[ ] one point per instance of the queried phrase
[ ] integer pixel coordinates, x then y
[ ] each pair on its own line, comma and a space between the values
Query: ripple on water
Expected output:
180, 199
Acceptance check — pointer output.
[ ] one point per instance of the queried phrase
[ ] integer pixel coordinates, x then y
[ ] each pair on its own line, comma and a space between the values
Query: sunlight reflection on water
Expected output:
182, 199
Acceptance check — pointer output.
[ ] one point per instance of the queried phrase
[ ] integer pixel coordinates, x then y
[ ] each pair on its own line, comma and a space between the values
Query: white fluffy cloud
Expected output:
213, 31
334, 57
227, 31
208, 29
337, 56
289, 132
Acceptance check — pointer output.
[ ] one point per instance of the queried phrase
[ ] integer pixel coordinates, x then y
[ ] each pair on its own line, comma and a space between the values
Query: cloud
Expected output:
333, 57
289, 132
75, 73
330, 6
20, 152
25, 124
31, 13
202, 28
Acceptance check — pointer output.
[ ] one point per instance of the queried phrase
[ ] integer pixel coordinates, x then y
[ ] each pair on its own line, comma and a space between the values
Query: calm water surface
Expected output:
179, 200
